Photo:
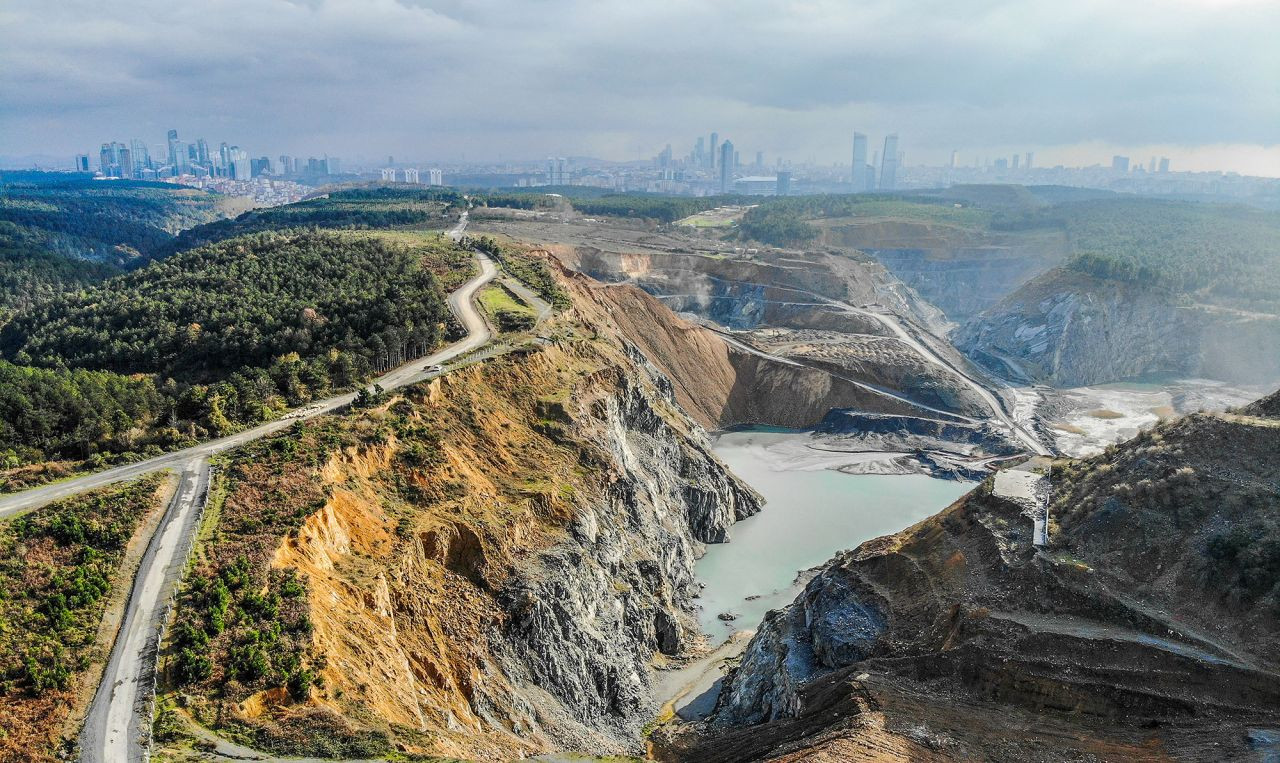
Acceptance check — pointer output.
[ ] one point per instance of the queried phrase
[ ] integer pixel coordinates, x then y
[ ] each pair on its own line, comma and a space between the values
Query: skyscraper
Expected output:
173, 147
140, 156
1016, 159
859, 162
202, 152
784, 184
82, 162
889, 163
1120, 163
715, 146
726, 166
1164, 164
1030, 155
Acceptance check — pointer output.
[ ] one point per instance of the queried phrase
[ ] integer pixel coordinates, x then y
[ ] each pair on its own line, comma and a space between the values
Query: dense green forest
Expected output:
355, 208
662, 209
787, 220
218, 337
1222, 254
60, 232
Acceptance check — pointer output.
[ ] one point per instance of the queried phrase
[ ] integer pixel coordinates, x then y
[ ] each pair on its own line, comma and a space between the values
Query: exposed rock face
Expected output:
962, 271
722, 384
1145, 629
1071, 329
505, 626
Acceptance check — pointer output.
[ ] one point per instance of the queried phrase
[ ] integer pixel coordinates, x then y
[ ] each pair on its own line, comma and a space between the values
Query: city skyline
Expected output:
441, 80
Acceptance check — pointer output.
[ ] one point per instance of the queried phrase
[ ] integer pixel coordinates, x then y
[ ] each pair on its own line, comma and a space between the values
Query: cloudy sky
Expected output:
1198, 80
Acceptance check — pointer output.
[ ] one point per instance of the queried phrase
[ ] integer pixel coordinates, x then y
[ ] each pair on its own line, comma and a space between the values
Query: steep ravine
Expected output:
491, 561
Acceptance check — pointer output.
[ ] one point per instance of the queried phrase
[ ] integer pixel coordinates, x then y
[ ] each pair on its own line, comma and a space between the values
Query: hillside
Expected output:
212, 339
65, 571
482, 566
348, 209
60, 232
1147, 630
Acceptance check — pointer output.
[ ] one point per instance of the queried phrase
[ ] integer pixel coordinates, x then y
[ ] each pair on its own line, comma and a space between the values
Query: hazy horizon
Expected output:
440, 79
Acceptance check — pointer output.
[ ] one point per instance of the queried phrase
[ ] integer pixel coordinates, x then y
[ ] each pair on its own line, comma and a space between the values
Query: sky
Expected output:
1074, 81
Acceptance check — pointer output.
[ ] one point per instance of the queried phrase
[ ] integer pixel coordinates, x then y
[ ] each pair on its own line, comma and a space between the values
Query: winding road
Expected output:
119, 715
460, 302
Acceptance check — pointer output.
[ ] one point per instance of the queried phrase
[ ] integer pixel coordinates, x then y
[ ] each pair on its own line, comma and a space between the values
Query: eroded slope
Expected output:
1147, 630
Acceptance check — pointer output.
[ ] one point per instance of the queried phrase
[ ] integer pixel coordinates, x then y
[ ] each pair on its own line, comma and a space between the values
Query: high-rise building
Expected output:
1030, 155
1120, 163
435, 177
140, 156
1016, 160
202, 152
411, 175
859, 162
759, 159
1151, 167
389, 174
332, 165
715, 146
726, 166
173, 147
699, 153
238, 164
889, 163
1164, 164
115, 161
82, 162
955, 157
784, 184
557, 170
737, 160
286, 164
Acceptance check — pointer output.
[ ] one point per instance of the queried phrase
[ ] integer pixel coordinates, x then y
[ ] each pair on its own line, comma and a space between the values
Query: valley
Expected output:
598, 484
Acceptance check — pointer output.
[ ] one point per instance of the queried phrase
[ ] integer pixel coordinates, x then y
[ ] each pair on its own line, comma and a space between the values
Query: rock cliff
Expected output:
1068, 328
1146, 630
490, 560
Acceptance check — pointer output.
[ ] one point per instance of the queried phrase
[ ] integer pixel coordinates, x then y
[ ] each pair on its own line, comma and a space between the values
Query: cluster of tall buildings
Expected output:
1121, 164
177, 157
413, 175
886, 165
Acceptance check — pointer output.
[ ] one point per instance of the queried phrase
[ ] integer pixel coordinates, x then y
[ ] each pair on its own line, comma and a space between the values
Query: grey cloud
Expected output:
521, 77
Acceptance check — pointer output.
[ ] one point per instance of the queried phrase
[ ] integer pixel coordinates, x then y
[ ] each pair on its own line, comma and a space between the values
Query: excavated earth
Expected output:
1148, 629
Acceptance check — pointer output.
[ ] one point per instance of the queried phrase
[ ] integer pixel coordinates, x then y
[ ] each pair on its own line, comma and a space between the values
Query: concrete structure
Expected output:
411, 174
756, 185
859, 162
726, 165
889, 163
435, 177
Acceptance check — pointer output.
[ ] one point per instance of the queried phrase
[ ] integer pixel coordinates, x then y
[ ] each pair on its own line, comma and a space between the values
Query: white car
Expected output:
436, 369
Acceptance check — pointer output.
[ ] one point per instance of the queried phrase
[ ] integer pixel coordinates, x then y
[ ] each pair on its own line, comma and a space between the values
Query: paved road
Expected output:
119, 713
461, 303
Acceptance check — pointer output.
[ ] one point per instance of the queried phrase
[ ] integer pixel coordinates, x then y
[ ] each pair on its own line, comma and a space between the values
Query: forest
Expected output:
355, 208
1218, 253
60, 232
216, 338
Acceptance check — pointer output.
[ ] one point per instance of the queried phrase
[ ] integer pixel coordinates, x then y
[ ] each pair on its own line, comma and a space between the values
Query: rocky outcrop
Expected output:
721, 384
1068, 328
1145, 625
961, 270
